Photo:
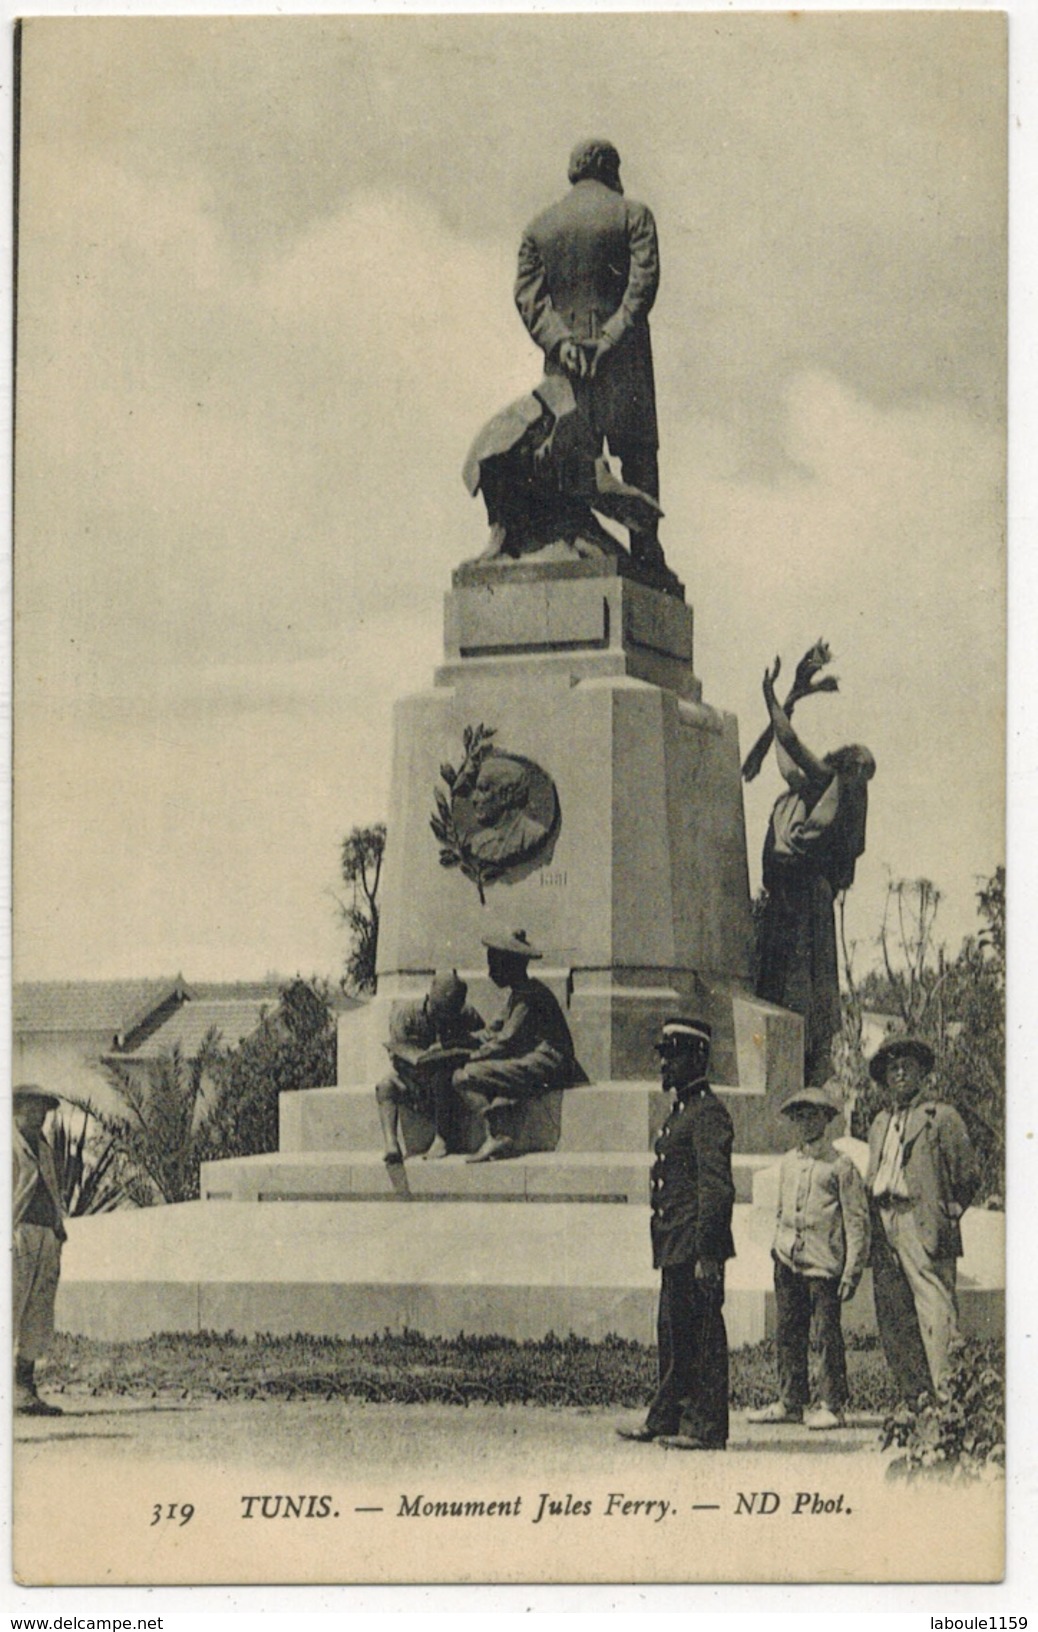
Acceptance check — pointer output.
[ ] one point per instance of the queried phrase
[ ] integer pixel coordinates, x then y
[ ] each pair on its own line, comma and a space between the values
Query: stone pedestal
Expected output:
640, 898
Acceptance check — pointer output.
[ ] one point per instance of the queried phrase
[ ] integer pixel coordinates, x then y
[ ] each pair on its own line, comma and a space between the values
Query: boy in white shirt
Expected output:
820, 1251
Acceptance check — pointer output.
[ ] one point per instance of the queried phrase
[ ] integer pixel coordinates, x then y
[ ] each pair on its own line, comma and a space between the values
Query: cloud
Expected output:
885, 536
264, 305
256, 463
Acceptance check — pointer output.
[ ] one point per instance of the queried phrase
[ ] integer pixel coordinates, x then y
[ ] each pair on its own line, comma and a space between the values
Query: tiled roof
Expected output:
187, 1027
224, 990
84, 1005
116, 1007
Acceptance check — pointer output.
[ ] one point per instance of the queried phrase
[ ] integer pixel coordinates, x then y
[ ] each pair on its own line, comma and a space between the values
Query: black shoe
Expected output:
35, 1407
641, 1436
685, 1442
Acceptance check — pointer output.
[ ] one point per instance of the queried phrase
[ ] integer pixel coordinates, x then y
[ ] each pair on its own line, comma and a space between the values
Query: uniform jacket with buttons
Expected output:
822, 1225
589, 266
692, 1188
939, 1168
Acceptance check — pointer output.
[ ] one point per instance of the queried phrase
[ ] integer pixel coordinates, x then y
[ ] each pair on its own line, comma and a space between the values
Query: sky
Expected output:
264, 304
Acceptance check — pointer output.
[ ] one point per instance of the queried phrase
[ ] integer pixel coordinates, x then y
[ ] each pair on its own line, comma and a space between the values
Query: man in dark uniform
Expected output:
588, 274
519, 1056
692, 1199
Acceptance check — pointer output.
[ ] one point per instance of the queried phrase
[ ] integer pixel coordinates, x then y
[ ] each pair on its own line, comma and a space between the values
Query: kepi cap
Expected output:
514, 942
892, 1047
679, 1029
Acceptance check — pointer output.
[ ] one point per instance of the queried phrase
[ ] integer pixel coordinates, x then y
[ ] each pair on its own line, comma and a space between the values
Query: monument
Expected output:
562, 783
564, 777
563, 772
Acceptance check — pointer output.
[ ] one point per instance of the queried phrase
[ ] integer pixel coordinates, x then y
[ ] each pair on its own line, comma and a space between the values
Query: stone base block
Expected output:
591, 622
639, 893
620, 1178
601, 1116
442, 1268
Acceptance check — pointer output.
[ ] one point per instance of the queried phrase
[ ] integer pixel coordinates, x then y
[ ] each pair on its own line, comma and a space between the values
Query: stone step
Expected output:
543, 1176
602, 1117
329, 1270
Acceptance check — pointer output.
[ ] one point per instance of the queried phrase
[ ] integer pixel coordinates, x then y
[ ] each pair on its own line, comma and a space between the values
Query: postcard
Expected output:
509, 871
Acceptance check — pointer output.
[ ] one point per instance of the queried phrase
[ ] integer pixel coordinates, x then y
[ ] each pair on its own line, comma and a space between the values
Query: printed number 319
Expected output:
172, 1510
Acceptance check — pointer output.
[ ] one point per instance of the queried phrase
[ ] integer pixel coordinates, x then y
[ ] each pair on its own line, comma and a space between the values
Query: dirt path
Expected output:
153, 1492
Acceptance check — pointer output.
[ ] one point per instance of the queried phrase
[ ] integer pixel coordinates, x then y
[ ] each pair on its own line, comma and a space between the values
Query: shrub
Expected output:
86, 1168
961, 1431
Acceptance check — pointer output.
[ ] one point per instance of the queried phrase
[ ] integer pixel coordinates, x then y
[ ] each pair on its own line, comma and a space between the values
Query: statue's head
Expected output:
595, 160
447, 994
502, 785
853, 761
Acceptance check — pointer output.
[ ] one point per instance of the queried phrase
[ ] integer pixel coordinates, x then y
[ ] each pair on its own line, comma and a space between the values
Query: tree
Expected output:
956, 1004
973, 1066
222, 1103
293, 1048
158, 1137
361, 864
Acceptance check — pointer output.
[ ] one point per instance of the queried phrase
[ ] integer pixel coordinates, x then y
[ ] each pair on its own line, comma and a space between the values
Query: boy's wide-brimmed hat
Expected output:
811, 1096
681, 1030
514, 942
894, 1046
26, 1092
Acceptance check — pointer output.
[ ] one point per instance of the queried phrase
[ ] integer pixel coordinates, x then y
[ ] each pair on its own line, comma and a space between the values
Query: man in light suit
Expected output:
39, 1231
588, 274
921, 1178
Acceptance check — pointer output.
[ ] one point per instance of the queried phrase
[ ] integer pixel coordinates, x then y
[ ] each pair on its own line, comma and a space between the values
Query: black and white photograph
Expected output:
509, 861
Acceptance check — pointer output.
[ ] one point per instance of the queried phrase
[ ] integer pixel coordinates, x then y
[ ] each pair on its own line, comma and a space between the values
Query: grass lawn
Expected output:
408, 1368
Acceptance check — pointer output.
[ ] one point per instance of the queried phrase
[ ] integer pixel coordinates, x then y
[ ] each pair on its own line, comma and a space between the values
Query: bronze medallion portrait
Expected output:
501, 811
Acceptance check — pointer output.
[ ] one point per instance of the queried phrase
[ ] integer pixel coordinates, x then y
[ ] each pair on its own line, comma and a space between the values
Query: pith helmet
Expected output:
447, 990
811, 1096
26, 1092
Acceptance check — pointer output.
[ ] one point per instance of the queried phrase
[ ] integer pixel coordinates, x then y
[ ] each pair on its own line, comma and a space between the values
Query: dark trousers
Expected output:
498, 1089
808, 1315
692, 1397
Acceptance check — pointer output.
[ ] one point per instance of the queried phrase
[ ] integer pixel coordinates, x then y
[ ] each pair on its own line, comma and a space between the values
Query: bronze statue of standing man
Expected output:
589, 269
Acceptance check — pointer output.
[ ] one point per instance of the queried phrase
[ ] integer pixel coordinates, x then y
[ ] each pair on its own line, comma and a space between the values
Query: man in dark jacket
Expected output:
692, 1199
588, 274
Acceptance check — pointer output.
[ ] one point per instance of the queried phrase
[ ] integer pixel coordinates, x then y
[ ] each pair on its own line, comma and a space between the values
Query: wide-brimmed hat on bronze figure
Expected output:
514, 942
892, 1047
811, 1097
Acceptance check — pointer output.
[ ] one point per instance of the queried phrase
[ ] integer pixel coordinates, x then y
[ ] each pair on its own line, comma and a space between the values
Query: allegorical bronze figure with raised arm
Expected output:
815, 835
